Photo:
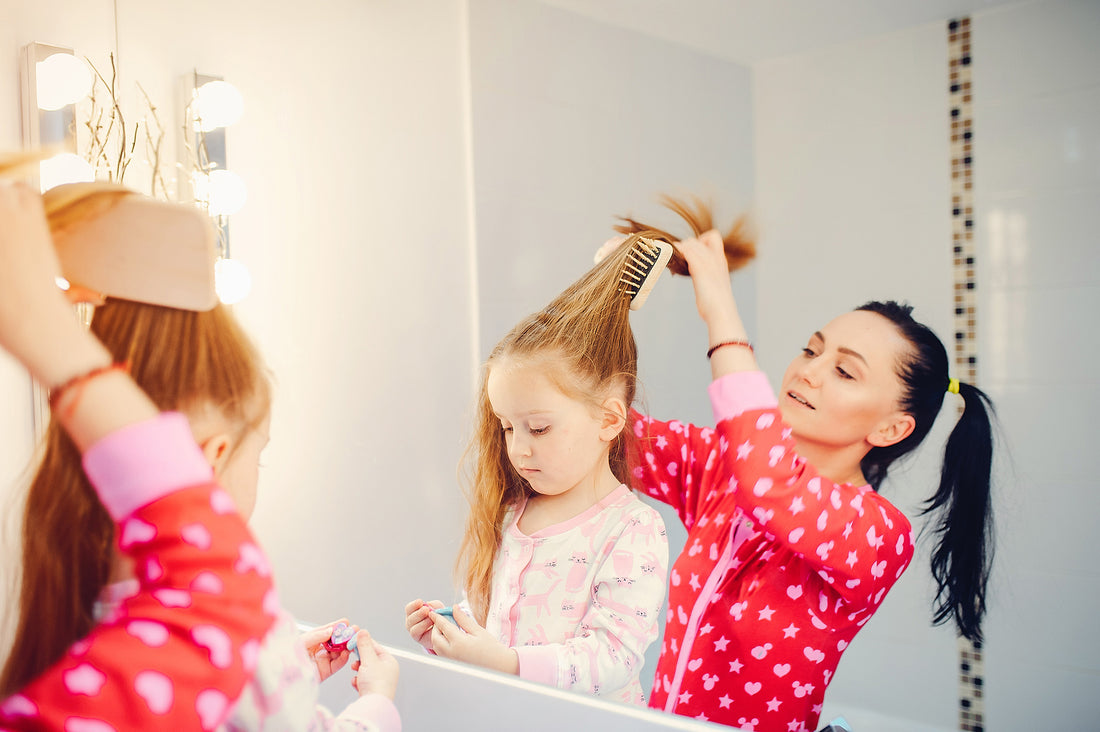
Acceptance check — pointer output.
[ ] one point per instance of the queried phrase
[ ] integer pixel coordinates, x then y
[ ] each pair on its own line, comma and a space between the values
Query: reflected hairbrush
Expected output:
645, 263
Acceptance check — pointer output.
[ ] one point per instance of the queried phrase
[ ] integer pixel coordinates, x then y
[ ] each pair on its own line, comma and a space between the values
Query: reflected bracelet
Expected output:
716, 346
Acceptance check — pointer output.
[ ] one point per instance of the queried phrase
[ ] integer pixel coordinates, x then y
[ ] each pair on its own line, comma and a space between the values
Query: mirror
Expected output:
422, 175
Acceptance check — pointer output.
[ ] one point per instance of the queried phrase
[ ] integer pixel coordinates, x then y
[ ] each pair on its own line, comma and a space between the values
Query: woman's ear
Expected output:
217, 450
892, 430
614, 418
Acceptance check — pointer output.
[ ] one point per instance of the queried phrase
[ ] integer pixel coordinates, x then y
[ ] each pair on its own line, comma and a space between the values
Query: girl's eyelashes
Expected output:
808, 352
844, 374
540, 430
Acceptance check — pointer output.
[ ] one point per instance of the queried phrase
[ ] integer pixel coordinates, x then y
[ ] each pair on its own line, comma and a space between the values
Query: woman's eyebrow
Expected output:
842, 349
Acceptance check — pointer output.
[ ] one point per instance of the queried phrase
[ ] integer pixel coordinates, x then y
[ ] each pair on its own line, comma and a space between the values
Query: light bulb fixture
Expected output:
211, 104
60, 80
232, 281
64, 168
52, 81
217, 104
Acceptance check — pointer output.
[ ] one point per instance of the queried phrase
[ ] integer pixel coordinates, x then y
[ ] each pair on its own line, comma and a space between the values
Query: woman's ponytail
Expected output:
961, 505
964, 520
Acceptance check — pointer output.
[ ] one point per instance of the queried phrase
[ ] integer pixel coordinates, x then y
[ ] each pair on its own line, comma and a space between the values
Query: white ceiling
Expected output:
749, 31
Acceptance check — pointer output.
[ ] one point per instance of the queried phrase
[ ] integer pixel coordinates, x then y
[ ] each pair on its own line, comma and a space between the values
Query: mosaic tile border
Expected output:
971, 666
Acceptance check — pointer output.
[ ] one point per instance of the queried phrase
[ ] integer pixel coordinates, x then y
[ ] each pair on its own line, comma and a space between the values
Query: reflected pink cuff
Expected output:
144, 461
538, 663
740, 392
374, 709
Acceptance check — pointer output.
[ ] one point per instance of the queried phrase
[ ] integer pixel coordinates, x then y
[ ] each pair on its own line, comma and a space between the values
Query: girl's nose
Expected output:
521, 446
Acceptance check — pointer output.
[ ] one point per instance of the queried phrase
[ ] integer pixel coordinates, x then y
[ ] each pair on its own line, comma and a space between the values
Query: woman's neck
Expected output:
840, 465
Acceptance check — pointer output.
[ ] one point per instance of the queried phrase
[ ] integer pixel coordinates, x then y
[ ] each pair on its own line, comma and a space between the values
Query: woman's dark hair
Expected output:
964, 522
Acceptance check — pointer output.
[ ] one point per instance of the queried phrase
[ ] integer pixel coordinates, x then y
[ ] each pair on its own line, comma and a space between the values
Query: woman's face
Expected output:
844, 388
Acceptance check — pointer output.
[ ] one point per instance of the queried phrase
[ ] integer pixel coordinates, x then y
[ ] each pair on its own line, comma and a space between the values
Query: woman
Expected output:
790, 549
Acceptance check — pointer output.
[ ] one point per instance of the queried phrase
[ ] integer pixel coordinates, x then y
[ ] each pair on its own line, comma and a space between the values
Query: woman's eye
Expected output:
505, 430
844, 374
808, 352
540, 430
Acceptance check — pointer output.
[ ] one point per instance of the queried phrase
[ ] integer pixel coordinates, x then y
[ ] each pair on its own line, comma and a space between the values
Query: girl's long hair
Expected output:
182, 360
583, 339
961, 505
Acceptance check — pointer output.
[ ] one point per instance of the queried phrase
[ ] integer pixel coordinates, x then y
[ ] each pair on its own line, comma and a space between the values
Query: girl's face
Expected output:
555, 442
232, 453
240, 474
844, 388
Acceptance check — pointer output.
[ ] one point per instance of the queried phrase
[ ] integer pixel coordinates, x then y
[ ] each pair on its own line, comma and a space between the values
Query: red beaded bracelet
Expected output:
80, 379
716, 346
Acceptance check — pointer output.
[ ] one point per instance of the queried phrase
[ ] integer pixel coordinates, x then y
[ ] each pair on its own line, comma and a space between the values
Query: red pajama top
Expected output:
780, 570
179, 652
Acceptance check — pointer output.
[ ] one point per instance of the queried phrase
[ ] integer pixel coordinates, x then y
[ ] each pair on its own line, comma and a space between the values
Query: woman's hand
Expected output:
471, 643
418, 622
376, 671
37, 326
706, 259
327, 662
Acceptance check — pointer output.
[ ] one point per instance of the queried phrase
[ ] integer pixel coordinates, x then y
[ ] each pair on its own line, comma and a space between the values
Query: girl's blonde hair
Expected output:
183, 360
584, 339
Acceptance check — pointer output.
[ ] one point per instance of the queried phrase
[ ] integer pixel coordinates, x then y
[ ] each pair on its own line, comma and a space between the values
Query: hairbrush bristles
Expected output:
647, 259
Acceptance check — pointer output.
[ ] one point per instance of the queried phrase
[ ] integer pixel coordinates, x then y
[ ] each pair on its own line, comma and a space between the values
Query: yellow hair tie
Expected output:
953, 386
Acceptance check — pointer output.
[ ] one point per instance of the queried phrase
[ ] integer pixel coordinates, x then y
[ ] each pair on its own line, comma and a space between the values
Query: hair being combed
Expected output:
738, 240
961, 506
584, 340
183, 360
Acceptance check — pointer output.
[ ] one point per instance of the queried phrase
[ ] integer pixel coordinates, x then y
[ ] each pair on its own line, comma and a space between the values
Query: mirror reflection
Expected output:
422, 177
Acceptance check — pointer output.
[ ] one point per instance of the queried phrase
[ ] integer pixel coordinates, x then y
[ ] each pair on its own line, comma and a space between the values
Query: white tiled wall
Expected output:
1037, 186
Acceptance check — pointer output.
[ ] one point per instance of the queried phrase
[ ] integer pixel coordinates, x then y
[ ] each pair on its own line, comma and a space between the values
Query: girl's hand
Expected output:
471, 643
327, 662
607, 247
418, 622
376, 671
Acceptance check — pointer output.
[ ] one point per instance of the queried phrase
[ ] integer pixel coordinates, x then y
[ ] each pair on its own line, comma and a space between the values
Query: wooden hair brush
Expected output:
122, 244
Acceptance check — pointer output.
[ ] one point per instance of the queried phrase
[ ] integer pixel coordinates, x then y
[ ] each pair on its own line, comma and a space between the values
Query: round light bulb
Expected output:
64, 168
226, 194
61, 79
232, 281
217, 104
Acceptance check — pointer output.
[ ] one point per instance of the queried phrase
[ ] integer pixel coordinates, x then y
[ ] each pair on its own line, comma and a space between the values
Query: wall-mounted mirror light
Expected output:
212, 104
53, 81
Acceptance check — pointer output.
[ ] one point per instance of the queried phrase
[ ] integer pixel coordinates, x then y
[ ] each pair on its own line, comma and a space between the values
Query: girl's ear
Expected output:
892, 430
614, 418
216, 450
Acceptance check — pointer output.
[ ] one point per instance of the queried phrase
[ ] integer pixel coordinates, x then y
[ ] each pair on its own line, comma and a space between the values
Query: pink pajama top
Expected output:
283, 692
579, 600
781, 568
180, 651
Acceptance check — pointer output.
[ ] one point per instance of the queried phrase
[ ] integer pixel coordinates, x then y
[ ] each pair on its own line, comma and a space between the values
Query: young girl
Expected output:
790, 549
564, 568
203, 364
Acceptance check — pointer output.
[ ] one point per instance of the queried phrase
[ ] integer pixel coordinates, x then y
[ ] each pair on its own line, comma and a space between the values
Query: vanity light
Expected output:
53, 81
61, 79
213, 104
227, 193
232, 281
64, 168
217, 104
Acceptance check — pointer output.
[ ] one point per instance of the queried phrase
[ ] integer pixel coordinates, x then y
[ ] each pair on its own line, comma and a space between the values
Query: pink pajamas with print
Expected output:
780, 570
